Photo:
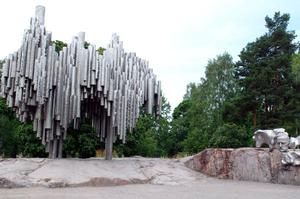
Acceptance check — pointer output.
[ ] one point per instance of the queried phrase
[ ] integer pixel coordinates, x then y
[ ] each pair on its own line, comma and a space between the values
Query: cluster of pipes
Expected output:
57, 90
279, 139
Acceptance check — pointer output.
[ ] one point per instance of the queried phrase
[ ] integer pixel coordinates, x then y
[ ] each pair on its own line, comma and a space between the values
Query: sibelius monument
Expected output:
56, 90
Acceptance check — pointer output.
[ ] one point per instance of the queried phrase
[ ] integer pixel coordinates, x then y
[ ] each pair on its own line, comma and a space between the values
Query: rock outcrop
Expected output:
251, 164
52, 173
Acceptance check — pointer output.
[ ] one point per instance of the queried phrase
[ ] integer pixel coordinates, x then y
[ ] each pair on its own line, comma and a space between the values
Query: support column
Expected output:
108, 141
50, 150
54, 148
60, 147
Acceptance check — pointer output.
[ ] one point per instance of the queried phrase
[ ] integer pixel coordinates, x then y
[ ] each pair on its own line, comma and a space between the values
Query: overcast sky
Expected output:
176, 37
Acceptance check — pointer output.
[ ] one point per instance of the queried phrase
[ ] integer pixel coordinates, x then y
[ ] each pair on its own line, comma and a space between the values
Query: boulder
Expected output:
213, 162
250, 164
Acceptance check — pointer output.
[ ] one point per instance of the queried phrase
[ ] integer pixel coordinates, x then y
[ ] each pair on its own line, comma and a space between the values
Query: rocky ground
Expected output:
251, 164
145, 177
93, 172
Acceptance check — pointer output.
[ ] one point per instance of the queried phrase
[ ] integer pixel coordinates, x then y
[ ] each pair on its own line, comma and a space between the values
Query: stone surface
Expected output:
212, 162
207, 188
94, 172
251, 164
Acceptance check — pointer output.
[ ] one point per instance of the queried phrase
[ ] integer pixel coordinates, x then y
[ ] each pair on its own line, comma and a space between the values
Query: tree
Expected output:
294, 105
230, 135
28, 145
17, 138
296, 67
151, 137
264, 74
200, 114
82, 142
59, 45
180, 125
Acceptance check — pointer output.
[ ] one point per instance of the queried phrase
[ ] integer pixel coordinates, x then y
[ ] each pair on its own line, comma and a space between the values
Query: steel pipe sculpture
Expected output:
279, 139
291, 158
56, 90
275, 139
294, 142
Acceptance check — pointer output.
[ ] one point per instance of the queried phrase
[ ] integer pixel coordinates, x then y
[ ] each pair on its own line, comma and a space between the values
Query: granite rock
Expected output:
250, 164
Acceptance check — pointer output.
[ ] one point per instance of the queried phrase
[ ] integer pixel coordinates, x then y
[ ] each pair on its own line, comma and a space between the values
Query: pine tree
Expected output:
264, 73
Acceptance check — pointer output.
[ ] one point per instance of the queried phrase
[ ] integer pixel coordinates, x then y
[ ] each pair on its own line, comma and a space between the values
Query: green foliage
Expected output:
101, 50
151, 137
296, 67
259, 91
230, 135
17, 138
27, 143
180, 125
81, 143
196, 141
59, 45
197, 118
142, 141
264, 73
8, 147
86, 45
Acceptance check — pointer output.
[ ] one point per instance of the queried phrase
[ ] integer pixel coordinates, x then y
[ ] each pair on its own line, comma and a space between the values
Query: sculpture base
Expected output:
251, 164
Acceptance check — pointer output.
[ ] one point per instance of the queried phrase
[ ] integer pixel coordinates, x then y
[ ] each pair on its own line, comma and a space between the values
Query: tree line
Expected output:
259, 91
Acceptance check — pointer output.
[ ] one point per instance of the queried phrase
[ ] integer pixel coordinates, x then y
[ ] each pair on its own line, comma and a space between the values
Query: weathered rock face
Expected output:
212, 162
33, 172
250, 164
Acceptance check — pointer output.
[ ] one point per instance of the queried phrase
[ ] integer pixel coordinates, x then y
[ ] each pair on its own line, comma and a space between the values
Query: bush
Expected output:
28, 144
230, 135
83, 142
17, 138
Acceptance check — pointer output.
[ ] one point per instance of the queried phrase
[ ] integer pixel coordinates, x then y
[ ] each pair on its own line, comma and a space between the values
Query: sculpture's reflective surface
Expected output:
279, 139
291, 158
294, 142
55, 90
275, 139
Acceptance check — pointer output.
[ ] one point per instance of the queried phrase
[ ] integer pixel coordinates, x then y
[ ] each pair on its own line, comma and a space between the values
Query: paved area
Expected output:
202, 188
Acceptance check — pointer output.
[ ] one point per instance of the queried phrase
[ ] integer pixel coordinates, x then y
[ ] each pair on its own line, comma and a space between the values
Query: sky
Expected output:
176, 37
